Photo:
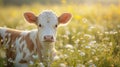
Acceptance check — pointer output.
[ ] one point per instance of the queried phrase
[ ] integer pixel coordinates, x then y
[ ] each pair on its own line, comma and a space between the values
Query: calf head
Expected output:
47, 23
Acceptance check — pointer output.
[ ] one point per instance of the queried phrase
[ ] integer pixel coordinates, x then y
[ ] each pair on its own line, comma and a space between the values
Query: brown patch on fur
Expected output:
22, 61
9, 64
38, 43
29, 42
39, 47
14, 34
10, 51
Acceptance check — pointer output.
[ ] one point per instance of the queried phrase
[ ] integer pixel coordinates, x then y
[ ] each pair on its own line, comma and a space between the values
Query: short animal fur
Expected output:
21, 45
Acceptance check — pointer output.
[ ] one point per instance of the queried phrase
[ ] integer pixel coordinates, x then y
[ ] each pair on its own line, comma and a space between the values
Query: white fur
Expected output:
48, 20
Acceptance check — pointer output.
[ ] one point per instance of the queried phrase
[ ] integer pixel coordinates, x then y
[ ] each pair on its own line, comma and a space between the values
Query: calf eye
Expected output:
40, 25
56, 25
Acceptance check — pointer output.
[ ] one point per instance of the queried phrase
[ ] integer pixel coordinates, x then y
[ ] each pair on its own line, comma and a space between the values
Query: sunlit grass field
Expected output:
91, 39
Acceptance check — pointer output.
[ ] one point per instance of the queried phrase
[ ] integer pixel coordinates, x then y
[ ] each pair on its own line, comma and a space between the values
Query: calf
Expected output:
21, 45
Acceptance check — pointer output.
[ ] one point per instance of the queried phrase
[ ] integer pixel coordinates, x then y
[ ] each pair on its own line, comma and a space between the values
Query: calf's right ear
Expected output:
30, 17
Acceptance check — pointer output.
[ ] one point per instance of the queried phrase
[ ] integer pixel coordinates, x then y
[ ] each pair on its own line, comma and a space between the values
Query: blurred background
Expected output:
91, 39
51, 2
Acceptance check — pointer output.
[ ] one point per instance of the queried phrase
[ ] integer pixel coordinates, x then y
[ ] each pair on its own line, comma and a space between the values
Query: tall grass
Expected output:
91, 39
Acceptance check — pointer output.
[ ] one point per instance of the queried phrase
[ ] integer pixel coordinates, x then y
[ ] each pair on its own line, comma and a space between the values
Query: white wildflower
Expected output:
69, 46
66, 36
92, 65
56, 58
80, 65
88, 35
67, 32
41, 65
82, 53
83, 41
31, 62
10, 60
72, 51
79, 50
113, 32
35, 56
92, 42
91, 28
90, 61
63, 65
96, 58
84, 20
87, 47
106, 32
77, 41
65, 56
61, 56
78, 33
111, 44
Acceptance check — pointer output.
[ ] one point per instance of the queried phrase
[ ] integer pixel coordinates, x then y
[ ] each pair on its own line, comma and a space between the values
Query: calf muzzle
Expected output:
48, 38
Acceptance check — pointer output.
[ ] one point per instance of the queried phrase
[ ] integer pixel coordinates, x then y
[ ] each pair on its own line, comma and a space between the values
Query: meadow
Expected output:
91, 39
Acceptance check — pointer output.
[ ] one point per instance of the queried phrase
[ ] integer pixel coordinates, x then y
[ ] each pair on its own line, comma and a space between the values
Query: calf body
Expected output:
21, 45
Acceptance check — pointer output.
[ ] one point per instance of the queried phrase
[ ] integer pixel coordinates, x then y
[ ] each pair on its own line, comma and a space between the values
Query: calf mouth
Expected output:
49, 41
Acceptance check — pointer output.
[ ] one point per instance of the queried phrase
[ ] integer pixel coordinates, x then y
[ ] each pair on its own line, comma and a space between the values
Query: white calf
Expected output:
21, 45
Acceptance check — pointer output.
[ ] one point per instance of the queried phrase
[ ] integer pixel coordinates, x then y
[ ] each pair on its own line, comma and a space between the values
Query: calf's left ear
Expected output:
64, 18
30, 17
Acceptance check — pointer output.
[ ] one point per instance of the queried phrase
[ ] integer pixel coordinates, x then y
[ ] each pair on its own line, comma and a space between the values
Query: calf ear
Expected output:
30, 17
64, 18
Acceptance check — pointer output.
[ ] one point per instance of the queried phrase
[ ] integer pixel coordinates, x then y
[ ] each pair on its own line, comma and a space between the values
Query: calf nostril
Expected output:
51, 37
44, 37
48, 37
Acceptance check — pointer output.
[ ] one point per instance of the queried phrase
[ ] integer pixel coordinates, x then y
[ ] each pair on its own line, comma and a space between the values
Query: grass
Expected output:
91, 39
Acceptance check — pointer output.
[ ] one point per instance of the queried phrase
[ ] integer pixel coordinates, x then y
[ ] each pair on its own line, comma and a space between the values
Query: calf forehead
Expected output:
47, 17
